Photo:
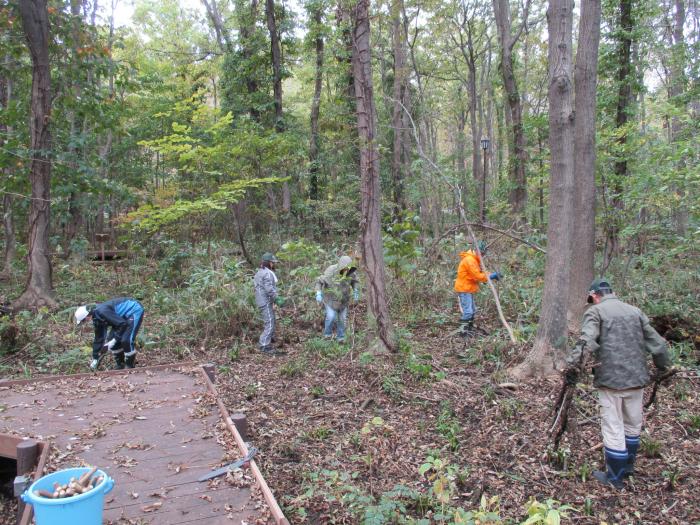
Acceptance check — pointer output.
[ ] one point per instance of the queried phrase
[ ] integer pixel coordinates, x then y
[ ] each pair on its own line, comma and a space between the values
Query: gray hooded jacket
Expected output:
336, 286
621, 338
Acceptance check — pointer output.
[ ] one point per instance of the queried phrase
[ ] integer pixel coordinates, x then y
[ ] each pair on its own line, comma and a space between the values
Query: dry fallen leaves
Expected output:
152, 507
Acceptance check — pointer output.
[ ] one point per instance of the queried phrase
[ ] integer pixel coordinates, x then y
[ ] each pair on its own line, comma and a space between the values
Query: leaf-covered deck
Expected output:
155, 431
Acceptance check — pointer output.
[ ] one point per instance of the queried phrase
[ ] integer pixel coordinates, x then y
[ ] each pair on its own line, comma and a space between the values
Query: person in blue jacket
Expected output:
123, 317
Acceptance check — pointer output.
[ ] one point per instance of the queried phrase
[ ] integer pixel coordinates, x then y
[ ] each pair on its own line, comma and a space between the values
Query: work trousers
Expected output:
267, 313
620, 415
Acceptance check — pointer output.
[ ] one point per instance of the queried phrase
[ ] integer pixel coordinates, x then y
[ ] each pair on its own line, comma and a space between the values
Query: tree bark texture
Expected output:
222, 35
10, 243
625, 77
518, 193
276, 56
7, 217
370, 222
550, 342
677, 86
315, 143
583, 234
400, 157
39, 288
247, 31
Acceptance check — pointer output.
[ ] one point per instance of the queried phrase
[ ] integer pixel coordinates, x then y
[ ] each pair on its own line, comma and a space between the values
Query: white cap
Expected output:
80, 314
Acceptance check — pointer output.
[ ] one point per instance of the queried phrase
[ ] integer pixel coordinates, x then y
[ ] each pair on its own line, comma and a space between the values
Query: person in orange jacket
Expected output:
469, 275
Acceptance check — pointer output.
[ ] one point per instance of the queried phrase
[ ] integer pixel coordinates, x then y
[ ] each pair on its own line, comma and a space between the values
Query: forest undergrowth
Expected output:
434, 432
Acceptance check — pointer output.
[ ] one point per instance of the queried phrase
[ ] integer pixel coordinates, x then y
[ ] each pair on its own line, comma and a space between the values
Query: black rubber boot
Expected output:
467, 328
632, 444
616, 464
130, 361
119, 361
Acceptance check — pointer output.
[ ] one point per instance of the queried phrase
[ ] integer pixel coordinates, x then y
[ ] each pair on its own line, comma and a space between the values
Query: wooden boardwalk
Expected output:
155, 431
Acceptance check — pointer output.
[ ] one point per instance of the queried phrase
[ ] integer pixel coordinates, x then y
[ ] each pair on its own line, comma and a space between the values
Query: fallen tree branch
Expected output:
486, 227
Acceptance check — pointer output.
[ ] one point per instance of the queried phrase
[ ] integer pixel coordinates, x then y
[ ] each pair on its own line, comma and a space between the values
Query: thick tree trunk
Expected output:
518, 194
7, 218
39, 288
583, 236
399, 159
315, 142
624, 101
550, 343
370, 223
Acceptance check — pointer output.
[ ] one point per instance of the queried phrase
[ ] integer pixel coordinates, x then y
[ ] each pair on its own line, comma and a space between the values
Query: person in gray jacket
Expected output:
621, 338
265, 283
333, 290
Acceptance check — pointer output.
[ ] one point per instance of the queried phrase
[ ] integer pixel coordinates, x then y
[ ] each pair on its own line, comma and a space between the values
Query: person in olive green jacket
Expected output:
621, 338
333, 290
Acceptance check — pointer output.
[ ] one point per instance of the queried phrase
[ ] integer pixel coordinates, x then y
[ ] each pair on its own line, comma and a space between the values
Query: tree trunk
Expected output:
315, 143
518, 194
7, 218
477, 172
222, 35
624, 101
247, 31
276, 56
399, 159
583, 235
550, 343
677, 86
10, 243
39, 288
370, 224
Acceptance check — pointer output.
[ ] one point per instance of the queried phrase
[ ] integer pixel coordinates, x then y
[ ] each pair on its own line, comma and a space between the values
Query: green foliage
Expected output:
151, 218
294, 368
401, 248
649, 447
550, 512
448, 426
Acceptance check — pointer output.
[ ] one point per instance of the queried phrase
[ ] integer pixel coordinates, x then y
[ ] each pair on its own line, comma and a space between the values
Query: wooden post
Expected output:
101, 237
241, 424
210, 370
27, 452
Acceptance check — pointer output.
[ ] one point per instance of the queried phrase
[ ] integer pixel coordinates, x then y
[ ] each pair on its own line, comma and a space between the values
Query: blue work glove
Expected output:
319, 297
356, 294
495, 276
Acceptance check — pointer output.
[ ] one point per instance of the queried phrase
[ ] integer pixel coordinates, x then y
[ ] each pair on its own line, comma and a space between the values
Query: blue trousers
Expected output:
466, 302
337, 318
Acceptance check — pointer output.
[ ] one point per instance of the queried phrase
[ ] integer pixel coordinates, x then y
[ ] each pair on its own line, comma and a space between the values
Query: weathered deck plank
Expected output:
154, 433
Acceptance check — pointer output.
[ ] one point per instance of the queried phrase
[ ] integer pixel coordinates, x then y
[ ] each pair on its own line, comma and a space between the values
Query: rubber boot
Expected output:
130, 361
632, 444
119, 361
467, 328
616, 463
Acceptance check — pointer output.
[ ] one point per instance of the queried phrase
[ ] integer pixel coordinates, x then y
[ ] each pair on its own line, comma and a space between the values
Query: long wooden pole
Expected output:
463, 217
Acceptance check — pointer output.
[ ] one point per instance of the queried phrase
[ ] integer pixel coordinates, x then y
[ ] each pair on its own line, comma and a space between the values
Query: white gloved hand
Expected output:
93, 364
111, 344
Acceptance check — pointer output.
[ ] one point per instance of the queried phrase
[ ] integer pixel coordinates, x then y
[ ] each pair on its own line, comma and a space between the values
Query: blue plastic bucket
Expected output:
83, 509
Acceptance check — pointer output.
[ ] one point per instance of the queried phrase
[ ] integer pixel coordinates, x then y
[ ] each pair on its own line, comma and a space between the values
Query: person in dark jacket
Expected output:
621, 338
265, 284
123, 317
